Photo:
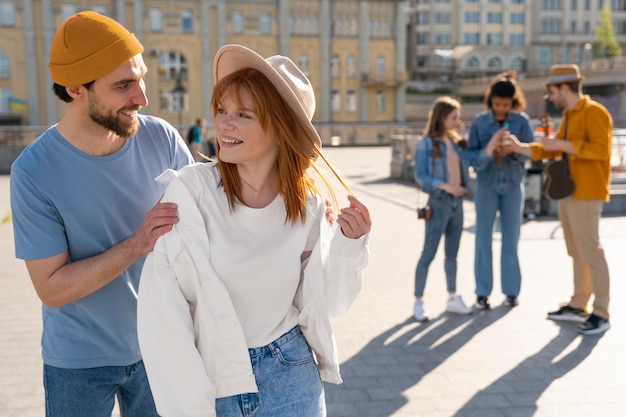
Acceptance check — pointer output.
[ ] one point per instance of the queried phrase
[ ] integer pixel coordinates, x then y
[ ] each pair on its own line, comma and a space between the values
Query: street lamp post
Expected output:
588, 53
448, 55
179, 95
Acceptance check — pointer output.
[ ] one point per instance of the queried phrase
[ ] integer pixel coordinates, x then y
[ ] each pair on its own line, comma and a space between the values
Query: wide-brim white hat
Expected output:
292, 85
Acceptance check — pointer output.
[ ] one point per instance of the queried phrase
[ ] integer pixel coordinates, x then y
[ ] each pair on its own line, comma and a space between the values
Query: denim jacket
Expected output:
488, 173
428, 180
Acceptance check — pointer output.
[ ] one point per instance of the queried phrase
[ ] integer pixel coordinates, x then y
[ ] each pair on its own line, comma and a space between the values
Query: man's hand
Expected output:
354, 220
158, 221
557, 145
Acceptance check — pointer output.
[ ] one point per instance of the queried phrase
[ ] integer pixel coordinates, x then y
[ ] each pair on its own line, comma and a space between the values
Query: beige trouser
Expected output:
580, 220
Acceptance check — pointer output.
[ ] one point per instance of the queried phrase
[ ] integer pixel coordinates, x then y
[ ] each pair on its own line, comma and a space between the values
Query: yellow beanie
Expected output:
87, 46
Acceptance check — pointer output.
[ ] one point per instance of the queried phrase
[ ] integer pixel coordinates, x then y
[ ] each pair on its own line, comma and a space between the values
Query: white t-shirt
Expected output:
256, 254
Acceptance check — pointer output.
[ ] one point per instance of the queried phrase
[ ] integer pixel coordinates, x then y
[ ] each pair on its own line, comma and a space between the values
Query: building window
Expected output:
334, 66
516, 39
518, 18
517, 64
351, 66
237, 21
380, 65
472, 17
494, 63
67, 10
551, 26
574, 4
172, 66
335, 99
380, 101
494, 39
5, 68
186, 20
423, 38
471, 38
351, 101
423, 17
544, 56
572, 26
98, 8
265, 23
494, 17
472, 62
551, 4
5, 95
442, 38
442, 17
7, 13
337, 27
173, 100
587, 29
156, 19
587, 4
303, 63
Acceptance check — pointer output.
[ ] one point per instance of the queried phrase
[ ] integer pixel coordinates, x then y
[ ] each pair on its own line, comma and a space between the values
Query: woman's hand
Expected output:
455, 190
354, 220
495, 141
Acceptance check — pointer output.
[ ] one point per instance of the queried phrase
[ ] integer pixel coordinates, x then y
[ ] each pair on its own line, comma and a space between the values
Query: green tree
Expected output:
604, 44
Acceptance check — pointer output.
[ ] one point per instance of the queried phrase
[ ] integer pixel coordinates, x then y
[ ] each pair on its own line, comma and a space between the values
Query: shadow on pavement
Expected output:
542, 368
396, 360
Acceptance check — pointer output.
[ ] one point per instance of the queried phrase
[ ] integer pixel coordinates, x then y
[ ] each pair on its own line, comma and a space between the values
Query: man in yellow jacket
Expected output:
584, 138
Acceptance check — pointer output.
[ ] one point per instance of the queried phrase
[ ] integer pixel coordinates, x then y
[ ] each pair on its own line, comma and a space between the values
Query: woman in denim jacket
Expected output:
500, 187
443, 174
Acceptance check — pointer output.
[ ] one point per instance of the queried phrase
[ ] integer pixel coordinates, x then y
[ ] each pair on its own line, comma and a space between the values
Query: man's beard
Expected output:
110, 121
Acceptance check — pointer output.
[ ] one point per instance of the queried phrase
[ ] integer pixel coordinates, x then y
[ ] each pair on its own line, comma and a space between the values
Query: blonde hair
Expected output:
295, 156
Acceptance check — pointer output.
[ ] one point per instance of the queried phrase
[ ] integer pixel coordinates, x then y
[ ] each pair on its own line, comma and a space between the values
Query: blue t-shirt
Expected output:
63, 199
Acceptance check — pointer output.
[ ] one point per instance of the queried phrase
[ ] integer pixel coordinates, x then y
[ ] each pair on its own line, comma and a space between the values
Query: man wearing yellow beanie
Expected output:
86, 211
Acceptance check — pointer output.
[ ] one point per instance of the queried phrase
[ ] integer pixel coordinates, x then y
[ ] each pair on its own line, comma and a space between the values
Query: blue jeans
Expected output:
91, 392
288, 381
447, 220
508, 201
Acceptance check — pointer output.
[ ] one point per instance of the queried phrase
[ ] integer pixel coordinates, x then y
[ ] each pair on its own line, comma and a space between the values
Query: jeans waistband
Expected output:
442, 195
294, 333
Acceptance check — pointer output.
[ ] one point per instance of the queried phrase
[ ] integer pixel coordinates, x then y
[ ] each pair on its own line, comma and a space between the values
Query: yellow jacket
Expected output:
590, 132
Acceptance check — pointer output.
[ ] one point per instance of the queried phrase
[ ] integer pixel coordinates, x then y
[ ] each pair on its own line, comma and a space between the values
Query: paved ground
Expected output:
501, 363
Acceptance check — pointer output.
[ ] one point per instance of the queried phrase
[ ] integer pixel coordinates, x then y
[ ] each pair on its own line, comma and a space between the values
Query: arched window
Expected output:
472, 62
517, 63
173, 73
494, 63
172, 66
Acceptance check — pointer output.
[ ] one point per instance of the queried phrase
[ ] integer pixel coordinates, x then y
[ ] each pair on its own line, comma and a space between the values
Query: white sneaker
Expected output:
456, 305
418, 311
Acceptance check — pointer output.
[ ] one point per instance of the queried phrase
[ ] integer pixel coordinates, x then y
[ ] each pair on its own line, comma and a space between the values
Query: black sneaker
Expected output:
567, 313
594, 325
482, 303
511, 301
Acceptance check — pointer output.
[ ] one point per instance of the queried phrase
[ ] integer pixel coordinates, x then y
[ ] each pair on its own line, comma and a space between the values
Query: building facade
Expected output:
353, 51
458, 45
